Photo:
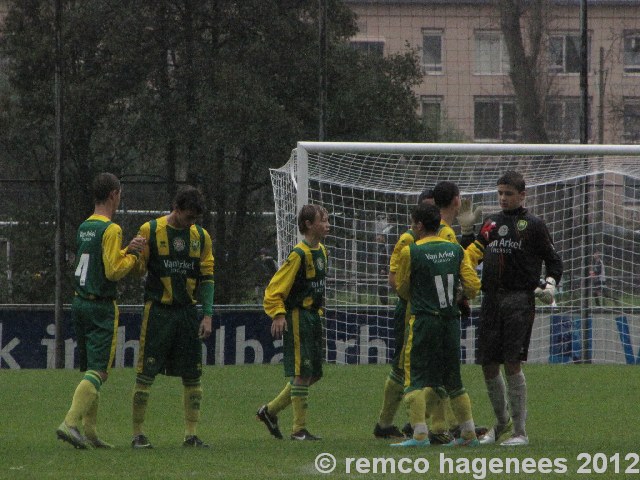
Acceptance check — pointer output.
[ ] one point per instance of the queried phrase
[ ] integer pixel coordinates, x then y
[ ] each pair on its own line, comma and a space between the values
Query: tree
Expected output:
527, 70
211, 93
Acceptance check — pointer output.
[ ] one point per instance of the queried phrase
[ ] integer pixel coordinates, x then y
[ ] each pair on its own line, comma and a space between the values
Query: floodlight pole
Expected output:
59, 143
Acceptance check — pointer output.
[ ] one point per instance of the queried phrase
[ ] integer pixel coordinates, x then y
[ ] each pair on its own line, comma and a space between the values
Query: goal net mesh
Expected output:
590, 206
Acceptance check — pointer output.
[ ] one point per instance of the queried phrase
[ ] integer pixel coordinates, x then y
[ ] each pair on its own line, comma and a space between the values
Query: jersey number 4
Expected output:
82, 268
443, 291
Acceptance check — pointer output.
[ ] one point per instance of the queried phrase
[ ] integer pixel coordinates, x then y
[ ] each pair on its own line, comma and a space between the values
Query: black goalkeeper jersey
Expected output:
513, 260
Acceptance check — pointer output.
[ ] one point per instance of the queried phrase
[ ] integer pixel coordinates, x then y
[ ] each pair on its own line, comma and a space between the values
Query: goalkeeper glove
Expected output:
546, 291
468, 217
485, 237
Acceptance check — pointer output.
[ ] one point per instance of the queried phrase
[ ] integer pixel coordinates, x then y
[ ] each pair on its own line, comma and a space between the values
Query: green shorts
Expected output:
169, 342
432, 353
302, 344
96, 326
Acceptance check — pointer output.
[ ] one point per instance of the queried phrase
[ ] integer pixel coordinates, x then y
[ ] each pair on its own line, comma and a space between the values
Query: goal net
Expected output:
588, 195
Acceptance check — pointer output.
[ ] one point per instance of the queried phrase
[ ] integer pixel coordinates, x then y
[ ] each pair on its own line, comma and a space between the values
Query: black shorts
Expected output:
504, 332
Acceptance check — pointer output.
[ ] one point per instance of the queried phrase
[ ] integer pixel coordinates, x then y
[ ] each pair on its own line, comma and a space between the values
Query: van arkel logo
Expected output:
503, 231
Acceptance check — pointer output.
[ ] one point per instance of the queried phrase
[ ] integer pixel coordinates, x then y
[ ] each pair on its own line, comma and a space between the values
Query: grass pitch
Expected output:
579, 416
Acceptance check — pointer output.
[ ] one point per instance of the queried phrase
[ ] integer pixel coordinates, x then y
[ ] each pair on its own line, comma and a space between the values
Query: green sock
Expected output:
299, 397
282, 401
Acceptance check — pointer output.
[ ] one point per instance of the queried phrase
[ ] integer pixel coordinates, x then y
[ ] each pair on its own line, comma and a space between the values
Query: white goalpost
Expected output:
589, 196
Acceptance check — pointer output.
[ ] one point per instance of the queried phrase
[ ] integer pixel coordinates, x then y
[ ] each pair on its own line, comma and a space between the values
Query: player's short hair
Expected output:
103, 184
309, 212
513, 179
426, 194
428, 215
444, 193
189, 198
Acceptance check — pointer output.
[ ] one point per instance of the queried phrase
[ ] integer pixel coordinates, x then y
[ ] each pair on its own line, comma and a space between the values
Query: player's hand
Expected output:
463, 306
468, 217
487, 232
137, 244
278, 326
205, 327
546, 292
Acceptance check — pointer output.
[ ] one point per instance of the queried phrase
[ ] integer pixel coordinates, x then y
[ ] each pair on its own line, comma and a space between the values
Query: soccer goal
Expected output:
589, 196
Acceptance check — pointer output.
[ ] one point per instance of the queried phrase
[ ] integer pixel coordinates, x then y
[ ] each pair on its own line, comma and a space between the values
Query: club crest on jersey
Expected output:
521, 225
179, 244
195, 244
320, 263
503, 230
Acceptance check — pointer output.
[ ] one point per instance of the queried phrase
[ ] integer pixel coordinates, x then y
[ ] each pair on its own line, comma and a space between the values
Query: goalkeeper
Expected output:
293, 299
515, 244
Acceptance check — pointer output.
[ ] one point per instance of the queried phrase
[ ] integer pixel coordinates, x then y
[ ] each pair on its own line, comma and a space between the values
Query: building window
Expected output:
631, 120
563, 120
432, 117
373, 47
495, 119
564, 53
432, 51
491, 53
631, 53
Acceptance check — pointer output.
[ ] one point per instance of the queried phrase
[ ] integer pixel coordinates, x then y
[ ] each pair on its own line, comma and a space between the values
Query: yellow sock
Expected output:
437, 413
461, 406
416, 407
282, 401
450, 417
140, 401
83, 397
393, 392
192, 400
90, 419
299, 398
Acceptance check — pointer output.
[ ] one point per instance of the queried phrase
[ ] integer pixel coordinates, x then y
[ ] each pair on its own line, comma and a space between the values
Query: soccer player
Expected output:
293, 299
100, 263
515, 244
179, 260
394, 383
429, 274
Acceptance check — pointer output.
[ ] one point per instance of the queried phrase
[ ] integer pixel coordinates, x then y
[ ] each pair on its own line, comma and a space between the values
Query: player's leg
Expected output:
422, 370
518, 313
459, 399
186, 362
394, 383
101, 348
490, 356
155, 336
307, 367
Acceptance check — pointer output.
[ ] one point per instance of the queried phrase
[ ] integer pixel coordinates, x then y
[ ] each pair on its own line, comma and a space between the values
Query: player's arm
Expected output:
469, 277
117, 261
403, 274
143, 256
404, 240
206, 286
548, 253
447, 233
277, 292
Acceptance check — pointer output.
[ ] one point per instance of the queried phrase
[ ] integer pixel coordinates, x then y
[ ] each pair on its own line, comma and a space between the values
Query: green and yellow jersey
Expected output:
299, 282
179, 263
475, 252
407, 238
101, 261
429, 272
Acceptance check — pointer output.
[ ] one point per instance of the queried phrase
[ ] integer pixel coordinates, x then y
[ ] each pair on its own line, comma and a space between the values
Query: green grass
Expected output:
572, 409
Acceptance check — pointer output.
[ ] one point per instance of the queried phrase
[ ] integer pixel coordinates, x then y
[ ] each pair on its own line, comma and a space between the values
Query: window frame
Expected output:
634, 44
436, 68
562, 69
504, 65
511, 136
630, 137
432, 100
564, 103
358, 43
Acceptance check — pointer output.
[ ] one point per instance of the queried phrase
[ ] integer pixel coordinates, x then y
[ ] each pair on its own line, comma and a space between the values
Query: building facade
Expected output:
467, 92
